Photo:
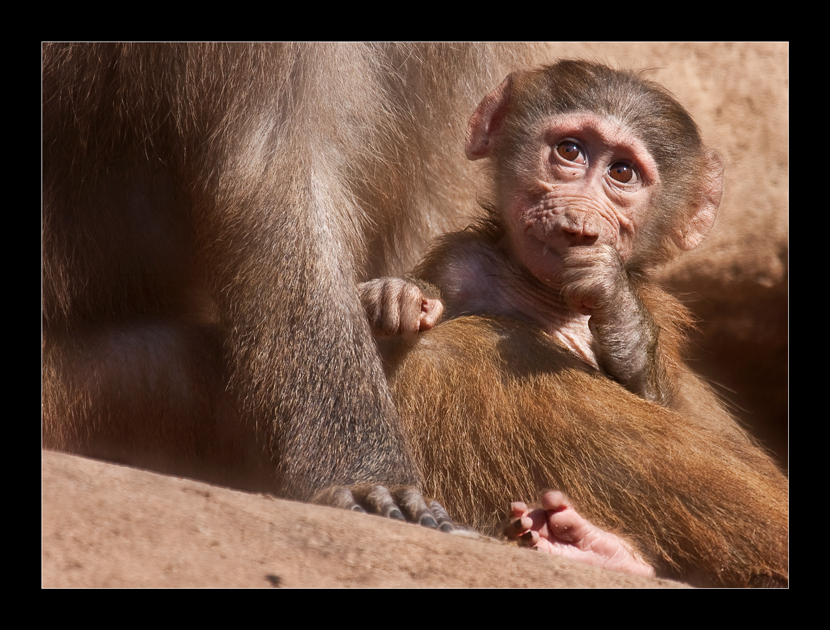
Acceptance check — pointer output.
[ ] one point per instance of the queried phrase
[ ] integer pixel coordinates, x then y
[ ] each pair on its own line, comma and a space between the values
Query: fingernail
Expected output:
428, 521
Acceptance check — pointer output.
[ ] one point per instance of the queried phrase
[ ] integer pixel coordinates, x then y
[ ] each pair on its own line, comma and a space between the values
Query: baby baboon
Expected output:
558, 363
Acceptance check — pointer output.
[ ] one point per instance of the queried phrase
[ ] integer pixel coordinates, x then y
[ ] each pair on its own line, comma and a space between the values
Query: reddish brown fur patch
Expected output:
498, 411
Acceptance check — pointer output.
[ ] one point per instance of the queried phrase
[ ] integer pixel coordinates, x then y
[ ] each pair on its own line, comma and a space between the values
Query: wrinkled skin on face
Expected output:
587, 182
572, 203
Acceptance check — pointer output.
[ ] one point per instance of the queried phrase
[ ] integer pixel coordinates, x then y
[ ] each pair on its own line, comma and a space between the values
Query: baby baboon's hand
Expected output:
398, 307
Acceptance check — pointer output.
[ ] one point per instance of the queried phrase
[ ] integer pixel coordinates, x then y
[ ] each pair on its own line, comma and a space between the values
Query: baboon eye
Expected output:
622, 172
569, 150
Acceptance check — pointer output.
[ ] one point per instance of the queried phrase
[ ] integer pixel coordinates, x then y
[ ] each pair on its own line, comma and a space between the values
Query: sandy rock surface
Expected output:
111, 526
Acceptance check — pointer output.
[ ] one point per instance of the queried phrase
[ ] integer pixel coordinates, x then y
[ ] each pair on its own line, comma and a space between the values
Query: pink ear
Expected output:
484, 125
699, 221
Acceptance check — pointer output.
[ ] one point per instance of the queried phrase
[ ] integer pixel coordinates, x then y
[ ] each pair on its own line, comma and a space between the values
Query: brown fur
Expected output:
207, 212
517, 413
